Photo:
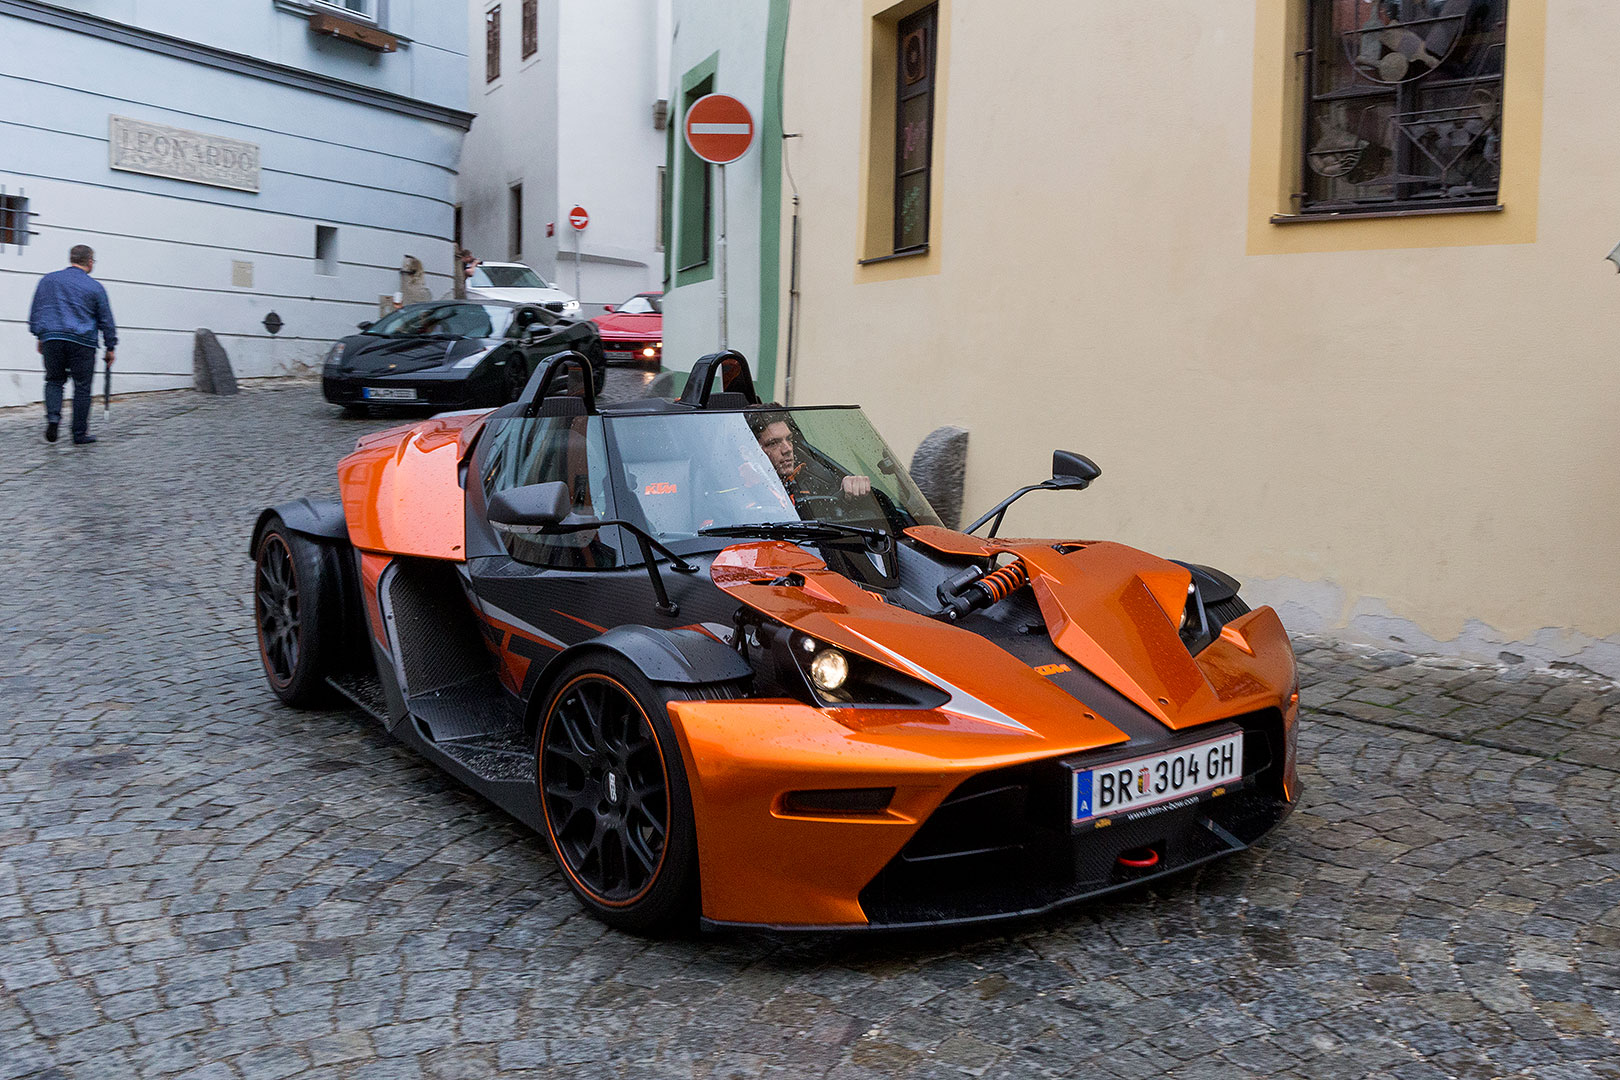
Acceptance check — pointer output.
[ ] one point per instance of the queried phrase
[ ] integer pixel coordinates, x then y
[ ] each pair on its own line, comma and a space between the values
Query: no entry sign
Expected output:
719, 128
578, 218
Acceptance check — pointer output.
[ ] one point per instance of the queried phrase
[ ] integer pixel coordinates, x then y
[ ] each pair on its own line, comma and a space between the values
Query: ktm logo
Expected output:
659, 489
1052, 669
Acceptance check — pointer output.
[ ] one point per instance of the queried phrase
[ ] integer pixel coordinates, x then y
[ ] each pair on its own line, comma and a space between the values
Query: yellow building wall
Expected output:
1390, 428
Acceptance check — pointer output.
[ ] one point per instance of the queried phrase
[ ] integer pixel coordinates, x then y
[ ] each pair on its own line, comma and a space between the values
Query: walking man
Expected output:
70, 310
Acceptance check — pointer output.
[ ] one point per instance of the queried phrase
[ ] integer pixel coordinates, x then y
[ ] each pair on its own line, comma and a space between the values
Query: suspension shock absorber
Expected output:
971, 590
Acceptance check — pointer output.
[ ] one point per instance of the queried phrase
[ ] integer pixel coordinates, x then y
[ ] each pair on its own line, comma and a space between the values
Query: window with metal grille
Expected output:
1403, 109
13, 220
531, 28
492, 44
914, 127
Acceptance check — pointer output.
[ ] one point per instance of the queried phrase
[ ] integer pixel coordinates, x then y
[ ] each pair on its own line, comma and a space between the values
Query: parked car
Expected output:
726, 659
633, 332
519, 284
450, 354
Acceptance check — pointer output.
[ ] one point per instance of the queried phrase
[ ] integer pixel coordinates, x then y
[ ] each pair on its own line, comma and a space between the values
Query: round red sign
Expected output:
578, 218
719, 128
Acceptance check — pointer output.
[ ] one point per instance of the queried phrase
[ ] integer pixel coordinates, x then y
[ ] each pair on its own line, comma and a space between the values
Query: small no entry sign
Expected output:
578, 218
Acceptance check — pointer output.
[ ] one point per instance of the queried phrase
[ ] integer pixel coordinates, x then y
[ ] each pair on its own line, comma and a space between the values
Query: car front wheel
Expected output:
614, 794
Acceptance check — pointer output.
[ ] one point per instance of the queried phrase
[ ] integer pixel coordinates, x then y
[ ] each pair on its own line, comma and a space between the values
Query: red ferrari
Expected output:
633, 332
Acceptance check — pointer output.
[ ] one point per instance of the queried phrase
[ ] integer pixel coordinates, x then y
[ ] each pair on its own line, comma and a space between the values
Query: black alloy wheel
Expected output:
607, 795
614, 793
294, 604
275, 603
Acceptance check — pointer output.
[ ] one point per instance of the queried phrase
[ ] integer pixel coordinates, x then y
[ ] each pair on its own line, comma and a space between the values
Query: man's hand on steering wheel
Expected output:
854, 486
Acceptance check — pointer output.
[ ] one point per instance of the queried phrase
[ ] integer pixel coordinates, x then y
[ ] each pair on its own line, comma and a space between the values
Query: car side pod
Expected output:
1070, 472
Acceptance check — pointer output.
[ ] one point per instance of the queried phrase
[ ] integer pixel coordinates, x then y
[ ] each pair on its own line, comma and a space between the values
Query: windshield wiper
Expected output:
813, 531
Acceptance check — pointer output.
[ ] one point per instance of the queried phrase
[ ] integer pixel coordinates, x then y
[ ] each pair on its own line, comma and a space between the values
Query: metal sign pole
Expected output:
577, 234
721, 255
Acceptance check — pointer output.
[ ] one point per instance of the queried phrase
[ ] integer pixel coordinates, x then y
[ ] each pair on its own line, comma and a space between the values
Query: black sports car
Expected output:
452, 354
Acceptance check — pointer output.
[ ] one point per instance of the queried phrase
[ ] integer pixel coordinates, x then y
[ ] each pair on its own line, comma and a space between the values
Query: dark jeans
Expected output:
64, 359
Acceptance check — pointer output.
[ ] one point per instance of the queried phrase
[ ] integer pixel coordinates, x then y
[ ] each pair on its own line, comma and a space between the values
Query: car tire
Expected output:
604, 718
295, 614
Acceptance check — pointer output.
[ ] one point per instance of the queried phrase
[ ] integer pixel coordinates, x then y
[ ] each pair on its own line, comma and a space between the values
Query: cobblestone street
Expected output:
198, 882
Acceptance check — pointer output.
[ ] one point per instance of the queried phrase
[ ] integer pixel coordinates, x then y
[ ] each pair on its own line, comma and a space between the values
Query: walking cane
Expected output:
106, 393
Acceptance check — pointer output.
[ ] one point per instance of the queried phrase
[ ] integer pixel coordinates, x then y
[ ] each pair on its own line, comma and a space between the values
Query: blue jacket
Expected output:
70, 305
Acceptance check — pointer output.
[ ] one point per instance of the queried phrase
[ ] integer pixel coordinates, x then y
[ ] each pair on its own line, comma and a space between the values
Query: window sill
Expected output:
904, 253
690, 267
1346, 215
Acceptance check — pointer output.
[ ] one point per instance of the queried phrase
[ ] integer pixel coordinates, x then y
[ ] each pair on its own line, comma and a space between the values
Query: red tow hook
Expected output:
1139, 858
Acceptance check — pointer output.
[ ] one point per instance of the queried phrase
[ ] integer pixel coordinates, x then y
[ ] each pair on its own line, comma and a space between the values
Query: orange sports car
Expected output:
725, 657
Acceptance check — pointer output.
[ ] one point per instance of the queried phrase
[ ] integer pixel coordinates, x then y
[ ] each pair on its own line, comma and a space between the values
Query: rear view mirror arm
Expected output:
999, 511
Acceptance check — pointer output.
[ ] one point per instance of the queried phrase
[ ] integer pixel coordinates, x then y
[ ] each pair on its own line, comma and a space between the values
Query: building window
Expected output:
13, 220
492, 44
662, 233
1403, 104
697, 193
514, 231
364, 9
326, 250
531, 28
914, 127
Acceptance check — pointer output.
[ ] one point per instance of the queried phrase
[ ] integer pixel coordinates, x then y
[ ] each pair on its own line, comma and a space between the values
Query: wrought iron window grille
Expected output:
1403, 105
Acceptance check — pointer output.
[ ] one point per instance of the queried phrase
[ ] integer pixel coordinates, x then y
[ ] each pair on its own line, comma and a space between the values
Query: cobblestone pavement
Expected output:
198, 882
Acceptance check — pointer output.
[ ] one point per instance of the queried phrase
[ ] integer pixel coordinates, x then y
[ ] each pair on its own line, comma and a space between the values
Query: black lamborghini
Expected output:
452, 354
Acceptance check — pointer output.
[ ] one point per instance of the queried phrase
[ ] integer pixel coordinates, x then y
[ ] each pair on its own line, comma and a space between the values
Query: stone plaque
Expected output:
157, 150
241, 274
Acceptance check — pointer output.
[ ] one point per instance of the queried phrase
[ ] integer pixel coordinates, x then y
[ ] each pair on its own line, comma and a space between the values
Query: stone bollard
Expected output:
939, 466
210, 368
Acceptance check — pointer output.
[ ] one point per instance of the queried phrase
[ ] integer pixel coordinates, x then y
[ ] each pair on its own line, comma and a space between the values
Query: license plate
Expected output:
1122, 788
618, 354
388, 393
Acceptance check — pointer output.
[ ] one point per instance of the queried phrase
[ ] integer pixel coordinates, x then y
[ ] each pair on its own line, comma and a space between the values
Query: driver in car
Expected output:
802, 479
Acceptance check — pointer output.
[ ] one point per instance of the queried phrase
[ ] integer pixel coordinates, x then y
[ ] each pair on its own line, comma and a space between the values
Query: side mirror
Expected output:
607, 309
534, 505
1073, 470
367, 325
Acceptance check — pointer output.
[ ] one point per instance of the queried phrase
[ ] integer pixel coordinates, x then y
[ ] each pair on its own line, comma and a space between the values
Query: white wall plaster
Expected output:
1317, 607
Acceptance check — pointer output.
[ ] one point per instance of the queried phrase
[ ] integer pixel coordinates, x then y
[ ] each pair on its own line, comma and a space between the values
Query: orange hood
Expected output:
1112, 609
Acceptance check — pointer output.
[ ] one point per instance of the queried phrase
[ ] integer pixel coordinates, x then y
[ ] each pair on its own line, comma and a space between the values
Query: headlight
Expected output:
651, 351
471, 361
571, 307
833, 677
829, 669
333, 355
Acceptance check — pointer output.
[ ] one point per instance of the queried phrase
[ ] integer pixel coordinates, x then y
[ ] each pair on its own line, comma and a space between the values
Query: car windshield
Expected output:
444, 320
679, 474
507, 277
642, 304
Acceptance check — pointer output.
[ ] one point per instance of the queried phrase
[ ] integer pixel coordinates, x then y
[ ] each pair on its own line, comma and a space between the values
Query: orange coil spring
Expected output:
1004, 582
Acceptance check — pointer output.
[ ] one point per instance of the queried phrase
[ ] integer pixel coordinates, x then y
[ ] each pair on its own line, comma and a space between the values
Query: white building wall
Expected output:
574, 125
735, 32
609, 151
166, 248
513, 139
